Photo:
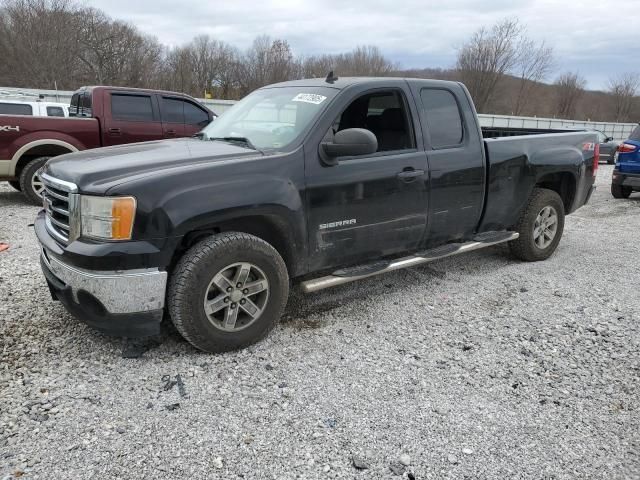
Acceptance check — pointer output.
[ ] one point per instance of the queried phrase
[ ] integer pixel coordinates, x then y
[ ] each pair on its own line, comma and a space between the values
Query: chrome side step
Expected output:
347, 275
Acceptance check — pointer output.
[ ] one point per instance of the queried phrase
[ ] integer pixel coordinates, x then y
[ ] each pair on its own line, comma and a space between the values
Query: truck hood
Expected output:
95, 171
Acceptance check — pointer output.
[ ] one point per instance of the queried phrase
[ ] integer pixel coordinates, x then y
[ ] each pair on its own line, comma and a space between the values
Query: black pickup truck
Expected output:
318, 181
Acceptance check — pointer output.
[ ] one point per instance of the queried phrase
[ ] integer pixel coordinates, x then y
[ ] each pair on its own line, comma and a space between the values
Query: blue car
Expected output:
626, 175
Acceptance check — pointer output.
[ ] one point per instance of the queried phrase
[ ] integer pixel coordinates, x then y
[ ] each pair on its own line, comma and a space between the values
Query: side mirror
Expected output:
608, 139
347, 143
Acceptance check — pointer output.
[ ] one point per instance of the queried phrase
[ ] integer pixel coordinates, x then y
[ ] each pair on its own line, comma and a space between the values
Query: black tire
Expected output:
26, 176
191, 279
619, 191
15, 184
525, 247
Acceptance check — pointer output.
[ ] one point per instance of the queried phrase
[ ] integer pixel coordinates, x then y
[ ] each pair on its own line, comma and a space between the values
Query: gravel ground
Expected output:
476, 366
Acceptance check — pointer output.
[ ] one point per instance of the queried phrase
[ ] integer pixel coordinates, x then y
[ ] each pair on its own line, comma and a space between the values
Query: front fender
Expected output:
203, 197
239, 197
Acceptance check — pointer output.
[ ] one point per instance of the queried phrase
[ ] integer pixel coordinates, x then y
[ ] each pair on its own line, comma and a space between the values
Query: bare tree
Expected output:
570, 87
623, 89
365, 60
484, 60
317, 66
37, 47
535, 62
113, 52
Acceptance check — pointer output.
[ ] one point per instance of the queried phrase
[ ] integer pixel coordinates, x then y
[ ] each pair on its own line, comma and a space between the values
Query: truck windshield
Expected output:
271, 118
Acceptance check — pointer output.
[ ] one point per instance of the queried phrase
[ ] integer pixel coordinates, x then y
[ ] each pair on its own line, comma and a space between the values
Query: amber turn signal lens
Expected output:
123, 211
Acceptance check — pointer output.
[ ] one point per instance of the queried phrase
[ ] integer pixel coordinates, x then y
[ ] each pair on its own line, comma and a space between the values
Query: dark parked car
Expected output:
319, 182
103, 116
608, 148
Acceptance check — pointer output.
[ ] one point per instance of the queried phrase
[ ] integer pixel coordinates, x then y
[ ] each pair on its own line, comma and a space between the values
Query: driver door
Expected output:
368, 206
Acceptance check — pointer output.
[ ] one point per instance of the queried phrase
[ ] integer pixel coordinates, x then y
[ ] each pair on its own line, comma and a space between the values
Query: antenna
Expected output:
331, 78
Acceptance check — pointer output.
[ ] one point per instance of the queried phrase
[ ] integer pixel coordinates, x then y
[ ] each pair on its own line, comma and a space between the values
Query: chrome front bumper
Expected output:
119, 292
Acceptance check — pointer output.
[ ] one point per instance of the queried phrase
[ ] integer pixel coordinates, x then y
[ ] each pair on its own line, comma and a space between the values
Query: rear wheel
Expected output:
227, 292
30, 183
15, 184
619, 191
540, 226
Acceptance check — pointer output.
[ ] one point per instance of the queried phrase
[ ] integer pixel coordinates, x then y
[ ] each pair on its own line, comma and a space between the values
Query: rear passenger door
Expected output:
195, 118
172, 111
131, 117
456, 161
181, 117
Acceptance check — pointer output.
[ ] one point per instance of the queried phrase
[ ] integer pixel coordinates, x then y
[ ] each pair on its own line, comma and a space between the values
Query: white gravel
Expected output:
477, 366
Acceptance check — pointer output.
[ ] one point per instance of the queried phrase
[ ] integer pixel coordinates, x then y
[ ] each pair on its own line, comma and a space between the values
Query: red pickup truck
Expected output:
98, 117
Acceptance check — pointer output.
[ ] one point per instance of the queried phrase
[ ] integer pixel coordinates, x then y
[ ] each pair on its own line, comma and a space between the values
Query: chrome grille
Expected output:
58, 199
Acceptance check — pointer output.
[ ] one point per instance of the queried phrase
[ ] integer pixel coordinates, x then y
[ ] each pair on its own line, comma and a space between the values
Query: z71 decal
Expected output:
9, 128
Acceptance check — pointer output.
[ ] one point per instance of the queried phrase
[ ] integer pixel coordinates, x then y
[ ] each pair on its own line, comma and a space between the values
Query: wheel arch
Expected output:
563, 183
271, 228
39, 148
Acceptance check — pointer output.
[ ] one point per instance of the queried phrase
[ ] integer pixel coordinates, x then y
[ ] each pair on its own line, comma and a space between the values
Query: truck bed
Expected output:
499, 132
510, 164
81, 133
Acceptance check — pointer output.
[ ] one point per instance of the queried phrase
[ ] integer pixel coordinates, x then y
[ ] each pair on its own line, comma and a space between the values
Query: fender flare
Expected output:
36, 143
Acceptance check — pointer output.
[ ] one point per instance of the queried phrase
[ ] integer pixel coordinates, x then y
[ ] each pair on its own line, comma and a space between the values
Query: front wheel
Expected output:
619, 191
540, 226
227, 292
30, 183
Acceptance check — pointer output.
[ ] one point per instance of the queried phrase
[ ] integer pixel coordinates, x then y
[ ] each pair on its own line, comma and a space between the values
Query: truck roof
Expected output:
343, 82
127, 89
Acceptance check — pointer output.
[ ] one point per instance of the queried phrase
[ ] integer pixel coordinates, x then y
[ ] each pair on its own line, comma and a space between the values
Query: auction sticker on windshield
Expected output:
309, 98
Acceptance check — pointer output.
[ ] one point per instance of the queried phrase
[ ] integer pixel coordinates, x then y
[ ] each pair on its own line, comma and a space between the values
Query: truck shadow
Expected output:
10, 197
307, 311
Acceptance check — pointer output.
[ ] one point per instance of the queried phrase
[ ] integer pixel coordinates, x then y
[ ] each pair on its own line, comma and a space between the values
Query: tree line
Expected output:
58, 43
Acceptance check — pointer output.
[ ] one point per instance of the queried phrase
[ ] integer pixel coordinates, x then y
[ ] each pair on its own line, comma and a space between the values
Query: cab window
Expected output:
384, 113
444, 121
55, 112
136, 108
16, 109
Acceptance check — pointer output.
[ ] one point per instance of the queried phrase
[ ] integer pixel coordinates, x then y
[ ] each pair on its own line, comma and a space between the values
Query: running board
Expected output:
347, 275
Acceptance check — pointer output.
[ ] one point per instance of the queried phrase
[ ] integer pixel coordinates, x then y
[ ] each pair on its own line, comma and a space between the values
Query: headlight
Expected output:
107, 218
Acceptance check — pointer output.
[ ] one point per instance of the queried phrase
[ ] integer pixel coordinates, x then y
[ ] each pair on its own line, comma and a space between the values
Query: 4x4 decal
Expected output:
9, 128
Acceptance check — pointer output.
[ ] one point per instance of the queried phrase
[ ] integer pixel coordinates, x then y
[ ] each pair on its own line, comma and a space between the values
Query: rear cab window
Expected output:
635, 135
80, 105
444, 120
16, 109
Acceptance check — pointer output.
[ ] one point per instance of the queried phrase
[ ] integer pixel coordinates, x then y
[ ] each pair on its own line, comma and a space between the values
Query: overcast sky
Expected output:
591, 36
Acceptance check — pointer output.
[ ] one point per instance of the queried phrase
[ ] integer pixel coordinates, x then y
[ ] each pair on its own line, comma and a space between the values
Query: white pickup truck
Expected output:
36, 109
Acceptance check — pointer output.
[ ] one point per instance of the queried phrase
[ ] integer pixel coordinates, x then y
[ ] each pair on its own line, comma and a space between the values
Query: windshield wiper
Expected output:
201, 136
243, 140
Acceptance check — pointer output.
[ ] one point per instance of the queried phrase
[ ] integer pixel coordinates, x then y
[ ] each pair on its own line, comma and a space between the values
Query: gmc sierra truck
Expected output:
321, 182
100, 116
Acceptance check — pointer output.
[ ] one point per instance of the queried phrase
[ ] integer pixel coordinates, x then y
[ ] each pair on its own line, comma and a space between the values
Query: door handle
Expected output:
170, 132
410, 174
115, 131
